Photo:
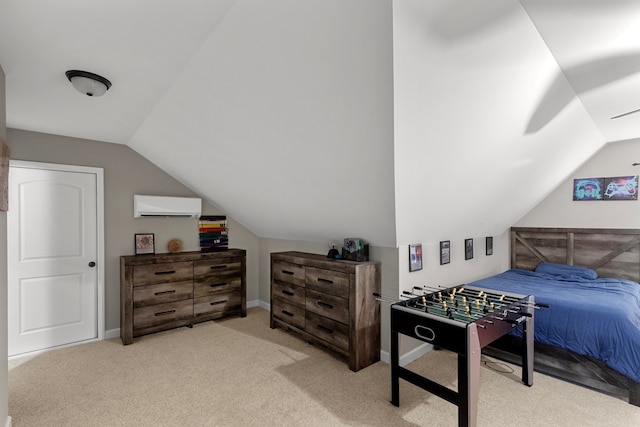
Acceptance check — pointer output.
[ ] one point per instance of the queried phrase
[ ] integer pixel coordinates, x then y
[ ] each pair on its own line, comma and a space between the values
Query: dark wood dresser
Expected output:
165, 291
328, 302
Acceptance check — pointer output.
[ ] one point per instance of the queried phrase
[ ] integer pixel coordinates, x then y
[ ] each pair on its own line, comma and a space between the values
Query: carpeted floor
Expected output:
239, 372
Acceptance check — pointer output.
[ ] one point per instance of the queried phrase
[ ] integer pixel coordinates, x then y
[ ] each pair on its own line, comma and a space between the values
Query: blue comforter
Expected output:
597, 317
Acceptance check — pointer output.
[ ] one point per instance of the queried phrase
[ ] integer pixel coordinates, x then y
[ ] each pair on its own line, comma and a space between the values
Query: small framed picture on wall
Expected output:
415, 257
489, 245
145, 243
445, 252
468, 249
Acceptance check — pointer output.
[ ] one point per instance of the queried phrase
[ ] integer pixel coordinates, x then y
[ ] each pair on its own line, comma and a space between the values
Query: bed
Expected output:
590, 334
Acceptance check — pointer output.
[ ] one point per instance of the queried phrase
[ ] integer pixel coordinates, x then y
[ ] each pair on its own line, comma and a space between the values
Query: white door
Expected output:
53, 253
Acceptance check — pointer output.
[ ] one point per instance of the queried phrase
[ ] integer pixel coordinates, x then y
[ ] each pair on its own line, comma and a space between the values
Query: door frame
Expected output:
100, 265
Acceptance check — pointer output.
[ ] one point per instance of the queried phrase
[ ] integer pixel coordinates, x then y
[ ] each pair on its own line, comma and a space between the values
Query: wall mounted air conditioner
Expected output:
162, 206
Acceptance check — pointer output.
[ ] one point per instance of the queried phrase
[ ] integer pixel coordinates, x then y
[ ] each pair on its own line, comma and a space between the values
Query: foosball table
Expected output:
463, 320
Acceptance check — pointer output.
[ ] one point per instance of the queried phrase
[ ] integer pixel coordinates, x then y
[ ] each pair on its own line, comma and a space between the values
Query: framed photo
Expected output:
468, 249
620, 188
415, 257
445, 252
489, 245
145, 244
585, 189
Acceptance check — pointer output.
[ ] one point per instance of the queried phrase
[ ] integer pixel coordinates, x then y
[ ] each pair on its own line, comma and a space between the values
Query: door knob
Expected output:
92, 264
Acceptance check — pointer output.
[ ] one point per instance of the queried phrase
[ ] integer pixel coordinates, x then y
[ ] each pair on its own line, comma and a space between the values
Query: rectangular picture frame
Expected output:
415, 257
144, 243
445, 252
489, 245
468, 249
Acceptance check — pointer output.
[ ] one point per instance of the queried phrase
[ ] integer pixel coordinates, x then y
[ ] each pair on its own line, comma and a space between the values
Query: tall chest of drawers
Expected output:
328, 302
165, 291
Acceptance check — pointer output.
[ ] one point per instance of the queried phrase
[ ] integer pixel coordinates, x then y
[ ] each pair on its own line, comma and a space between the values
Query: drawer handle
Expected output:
287, 313
220, 266
215, 285
217, 302
290, 273
324, 304
159, 273
163, 313
286, 292
165, 292
325, 329
321, 280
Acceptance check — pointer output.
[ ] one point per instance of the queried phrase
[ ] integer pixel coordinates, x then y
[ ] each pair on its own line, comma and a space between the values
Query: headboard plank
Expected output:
611, 252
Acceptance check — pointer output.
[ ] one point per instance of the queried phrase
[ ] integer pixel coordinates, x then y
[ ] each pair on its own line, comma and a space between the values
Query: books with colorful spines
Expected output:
216, 239
213, 230
213, 224
213, 233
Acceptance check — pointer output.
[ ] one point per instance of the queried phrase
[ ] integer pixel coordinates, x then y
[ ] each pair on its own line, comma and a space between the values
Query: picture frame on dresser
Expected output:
145, 243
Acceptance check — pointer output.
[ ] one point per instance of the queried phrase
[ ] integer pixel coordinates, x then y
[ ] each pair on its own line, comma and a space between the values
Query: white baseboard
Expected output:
408, 357
8, 423
112, 333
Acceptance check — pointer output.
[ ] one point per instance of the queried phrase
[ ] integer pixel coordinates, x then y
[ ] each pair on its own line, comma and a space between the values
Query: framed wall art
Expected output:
489, 245
620, 188
468, 249
145, 243
445, 252
415, 257
585, 189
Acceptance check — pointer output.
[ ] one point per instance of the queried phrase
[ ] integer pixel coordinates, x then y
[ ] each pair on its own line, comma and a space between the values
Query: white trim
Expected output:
8, 423
408, 357
100, 256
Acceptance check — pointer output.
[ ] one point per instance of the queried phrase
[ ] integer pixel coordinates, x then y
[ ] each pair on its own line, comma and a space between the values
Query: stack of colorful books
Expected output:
214, 233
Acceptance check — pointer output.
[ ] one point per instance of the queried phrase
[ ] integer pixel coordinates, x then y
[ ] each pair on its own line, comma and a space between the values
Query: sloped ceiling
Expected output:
322, 119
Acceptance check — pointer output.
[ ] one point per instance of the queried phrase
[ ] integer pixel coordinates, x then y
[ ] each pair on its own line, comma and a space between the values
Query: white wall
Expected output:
4, 391
471, 157
291, 129
559, 209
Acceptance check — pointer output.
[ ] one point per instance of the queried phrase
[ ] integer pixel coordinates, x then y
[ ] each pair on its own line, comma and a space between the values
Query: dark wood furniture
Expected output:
165, 291
612, 253
328, 302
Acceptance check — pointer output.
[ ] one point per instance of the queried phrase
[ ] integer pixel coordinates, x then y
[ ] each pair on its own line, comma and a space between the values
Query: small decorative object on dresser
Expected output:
328, 302
144, 243
166, 291
175, 246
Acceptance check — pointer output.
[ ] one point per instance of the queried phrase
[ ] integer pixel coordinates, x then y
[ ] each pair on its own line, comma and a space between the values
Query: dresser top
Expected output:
182, 256
319, 260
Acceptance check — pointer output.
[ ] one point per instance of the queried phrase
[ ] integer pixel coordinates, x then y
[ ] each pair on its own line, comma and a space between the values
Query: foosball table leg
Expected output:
395, 379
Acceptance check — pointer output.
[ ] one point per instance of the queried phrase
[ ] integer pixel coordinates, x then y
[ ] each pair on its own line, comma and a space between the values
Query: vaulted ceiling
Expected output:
311, 120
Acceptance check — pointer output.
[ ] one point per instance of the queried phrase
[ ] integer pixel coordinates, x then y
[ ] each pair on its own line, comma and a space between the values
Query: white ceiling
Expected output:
301, 129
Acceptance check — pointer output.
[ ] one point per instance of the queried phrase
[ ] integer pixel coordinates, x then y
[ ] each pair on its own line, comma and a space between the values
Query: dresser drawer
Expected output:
215, 285
161, 273
328, 281
207, 268
162, 313
326, 305
216, 303
288, 273
288, 313
161, 293
288, 293
332, 332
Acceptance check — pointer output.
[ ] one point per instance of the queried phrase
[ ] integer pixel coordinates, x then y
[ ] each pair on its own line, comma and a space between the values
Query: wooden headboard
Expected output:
611, 252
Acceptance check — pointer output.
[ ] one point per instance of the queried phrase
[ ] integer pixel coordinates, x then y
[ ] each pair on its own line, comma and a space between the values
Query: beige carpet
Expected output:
239, 372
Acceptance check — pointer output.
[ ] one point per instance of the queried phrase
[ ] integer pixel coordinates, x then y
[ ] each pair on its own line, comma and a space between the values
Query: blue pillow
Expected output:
566, 270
